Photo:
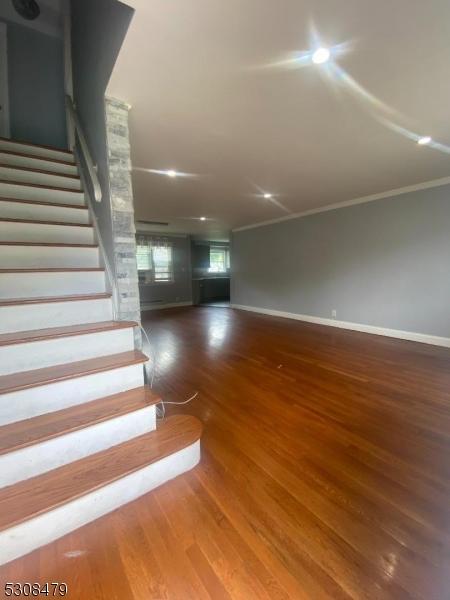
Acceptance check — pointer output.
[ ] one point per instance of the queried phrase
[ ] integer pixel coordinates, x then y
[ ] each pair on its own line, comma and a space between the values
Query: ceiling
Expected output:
205, 102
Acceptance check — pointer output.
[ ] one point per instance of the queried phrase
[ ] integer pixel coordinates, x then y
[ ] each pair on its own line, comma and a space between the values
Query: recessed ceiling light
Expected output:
320, 56
423, 141
171, 173
267, 196
202, 218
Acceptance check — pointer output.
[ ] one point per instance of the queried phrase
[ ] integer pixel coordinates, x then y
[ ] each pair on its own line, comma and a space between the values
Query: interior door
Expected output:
4, 96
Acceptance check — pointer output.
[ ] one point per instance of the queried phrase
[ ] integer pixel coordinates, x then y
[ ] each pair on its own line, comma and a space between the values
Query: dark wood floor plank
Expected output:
324, 472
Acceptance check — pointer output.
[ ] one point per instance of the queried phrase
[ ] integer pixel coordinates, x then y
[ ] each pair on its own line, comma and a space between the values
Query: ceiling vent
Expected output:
159, 223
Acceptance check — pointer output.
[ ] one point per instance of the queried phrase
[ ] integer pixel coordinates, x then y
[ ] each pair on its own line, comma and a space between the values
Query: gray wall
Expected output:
180, 290
98, 31
384, 263
36, 86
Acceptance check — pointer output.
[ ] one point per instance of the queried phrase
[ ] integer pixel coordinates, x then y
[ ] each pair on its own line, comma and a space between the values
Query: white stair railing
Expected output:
97, 191
72, 114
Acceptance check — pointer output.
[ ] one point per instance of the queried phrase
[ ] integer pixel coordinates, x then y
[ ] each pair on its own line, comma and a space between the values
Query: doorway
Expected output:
210, 273
4, 94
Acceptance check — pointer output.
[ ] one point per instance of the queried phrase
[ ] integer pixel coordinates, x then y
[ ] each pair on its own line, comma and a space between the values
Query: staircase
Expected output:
78, 434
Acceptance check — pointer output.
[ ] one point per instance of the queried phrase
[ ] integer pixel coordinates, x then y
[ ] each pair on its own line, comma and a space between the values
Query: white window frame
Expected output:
226, 261
150, 274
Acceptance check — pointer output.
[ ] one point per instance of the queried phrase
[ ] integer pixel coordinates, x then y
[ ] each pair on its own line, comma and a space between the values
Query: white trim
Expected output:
155, 306
395, 333
362, 200
4, 82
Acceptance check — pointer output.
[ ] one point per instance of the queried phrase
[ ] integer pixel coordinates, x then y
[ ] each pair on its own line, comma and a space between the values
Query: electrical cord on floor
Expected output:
161, 406
152, 377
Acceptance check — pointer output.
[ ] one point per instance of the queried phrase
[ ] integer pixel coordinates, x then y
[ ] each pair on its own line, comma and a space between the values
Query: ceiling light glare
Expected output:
202, 218
267, 196
423, 141
171, 173
320, 56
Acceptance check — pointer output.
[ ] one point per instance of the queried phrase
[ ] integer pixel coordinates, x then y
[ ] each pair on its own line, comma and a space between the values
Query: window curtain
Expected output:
147, 241
154, 258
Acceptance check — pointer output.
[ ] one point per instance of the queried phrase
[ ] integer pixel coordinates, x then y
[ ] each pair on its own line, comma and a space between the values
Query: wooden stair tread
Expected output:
32, 497
37, 157
41, 186
45, 427
36, 222
49, 244
23, 143
47, 299
40, 171
43, 203
36, 335
37, 377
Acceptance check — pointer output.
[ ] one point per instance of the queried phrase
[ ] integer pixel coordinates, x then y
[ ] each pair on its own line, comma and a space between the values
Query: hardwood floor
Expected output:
325, 472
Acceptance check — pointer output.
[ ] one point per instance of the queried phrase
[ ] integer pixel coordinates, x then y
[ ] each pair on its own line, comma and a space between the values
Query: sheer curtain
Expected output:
148, 240
154, 256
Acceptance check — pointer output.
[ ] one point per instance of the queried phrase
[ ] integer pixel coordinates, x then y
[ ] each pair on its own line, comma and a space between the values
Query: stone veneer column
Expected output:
122, 212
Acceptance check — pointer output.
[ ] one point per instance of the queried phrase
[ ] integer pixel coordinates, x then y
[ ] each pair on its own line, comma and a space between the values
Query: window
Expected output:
219, 260
162, 263
154, 259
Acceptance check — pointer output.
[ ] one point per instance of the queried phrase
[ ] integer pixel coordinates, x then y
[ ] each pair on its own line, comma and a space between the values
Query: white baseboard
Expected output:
156, 306
395, 333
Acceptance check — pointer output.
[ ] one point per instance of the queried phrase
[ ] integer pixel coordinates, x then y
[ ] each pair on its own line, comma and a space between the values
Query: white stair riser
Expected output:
46, 353
54, 314
36, 163
35, 150
40, 257
25, 192
51, 454
12, 174
50, 526
43, 212
28, 403
39, 232
41, 284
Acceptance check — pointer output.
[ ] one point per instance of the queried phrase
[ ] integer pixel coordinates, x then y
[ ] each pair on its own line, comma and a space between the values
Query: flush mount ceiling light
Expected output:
320, 56
267, 196
424, 141
166, 172
202, 218
28, 9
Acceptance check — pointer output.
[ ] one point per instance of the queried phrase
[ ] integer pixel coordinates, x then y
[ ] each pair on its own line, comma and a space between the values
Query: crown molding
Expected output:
362, 200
